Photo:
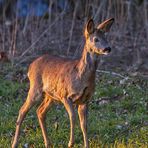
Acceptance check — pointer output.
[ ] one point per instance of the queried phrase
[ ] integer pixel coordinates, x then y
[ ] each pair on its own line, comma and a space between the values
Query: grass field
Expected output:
117, 117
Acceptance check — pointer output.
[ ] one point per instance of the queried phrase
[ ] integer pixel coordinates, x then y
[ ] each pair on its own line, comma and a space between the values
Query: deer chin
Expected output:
101, 52
105, 53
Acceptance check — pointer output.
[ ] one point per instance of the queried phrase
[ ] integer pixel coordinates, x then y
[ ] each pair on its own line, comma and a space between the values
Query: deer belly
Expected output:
57, 93
65, 88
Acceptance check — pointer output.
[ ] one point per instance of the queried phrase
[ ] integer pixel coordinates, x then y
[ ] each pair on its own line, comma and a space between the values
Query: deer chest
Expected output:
81, 91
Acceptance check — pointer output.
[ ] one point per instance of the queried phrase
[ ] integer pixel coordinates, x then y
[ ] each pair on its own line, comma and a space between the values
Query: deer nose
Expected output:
107, 49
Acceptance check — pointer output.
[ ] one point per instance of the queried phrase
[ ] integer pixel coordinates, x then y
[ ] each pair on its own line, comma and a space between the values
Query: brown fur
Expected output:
68, 81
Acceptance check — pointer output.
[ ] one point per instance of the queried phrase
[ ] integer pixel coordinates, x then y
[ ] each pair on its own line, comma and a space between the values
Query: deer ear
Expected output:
90, 26
106, 25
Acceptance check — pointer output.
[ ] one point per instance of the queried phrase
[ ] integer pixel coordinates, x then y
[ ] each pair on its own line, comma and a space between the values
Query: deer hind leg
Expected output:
41, 113
70, 109
82, 112
30, 101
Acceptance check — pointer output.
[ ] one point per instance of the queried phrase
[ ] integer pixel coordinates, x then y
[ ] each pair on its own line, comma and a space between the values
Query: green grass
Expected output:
119, 121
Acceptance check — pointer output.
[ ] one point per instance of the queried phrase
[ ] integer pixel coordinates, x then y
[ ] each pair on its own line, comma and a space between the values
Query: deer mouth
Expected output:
104, 51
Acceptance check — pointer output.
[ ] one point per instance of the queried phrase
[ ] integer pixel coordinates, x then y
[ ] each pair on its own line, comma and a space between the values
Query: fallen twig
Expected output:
112, 73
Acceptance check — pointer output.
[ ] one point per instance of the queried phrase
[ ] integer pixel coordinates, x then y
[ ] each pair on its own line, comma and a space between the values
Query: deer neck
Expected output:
88, 61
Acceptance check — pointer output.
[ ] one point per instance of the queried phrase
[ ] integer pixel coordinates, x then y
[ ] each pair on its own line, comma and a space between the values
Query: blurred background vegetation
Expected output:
31, 28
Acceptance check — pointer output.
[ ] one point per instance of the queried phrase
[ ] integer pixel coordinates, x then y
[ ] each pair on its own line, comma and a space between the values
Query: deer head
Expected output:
95, 36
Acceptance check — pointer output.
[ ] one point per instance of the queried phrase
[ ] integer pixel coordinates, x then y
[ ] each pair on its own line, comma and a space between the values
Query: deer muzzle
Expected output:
107, 50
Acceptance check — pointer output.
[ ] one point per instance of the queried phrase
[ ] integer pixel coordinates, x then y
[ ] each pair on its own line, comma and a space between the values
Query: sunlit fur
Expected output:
68, 81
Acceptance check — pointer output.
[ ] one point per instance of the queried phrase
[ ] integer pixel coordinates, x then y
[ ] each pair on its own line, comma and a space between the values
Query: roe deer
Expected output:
68, 81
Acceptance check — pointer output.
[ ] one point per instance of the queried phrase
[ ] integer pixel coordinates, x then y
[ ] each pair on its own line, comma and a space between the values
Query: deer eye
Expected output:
96, 40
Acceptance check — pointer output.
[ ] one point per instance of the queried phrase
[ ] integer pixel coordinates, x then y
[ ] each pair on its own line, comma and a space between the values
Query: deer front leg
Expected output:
70, 109
82, 112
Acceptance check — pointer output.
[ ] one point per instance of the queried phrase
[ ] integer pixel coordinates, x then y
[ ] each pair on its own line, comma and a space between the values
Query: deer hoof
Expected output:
14, 146
49, 145
70, 144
